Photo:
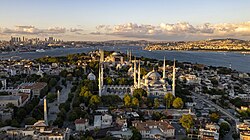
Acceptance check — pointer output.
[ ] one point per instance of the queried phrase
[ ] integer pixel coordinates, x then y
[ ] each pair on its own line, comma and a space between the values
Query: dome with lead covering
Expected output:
116, 54
153, 75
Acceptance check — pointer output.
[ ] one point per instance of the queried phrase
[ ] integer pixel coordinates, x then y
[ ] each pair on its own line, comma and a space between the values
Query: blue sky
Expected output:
86, 15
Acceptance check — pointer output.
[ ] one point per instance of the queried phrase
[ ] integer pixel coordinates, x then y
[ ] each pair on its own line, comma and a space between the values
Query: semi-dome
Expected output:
153, 75
116, 54
91, 76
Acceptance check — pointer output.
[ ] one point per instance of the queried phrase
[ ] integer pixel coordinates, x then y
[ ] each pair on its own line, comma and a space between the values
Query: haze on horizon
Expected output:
98, 20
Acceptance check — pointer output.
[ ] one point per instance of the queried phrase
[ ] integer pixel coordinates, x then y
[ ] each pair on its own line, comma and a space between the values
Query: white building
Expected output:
10, 99
151, 129
211, 131
103, 121
81, 124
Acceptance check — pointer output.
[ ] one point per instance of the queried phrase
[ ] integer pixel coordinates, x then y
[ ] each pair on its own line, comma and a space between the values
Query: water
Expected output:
237, 61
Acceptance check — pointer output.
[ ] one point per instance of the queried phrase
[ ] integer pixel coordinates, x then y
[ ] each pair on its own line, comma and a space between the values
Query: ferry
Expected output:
40, 50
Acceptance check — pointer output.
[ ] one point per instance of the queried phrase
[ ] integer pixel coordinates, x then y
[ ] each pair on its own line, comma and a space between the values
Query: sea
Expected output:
235, 60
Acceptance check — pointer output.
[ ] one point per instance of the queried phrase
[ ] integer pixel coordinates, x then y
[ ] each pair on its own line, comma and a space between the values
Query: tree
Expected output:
21, 112
111, 100
214, 117
156, 103
94, 101
224, 129
122, 81
127, 100
135, 102
72, 116
187, 121
63, 73
52, 82
178, 103
156, 116
14, 123
169, 97
10, 105
136, 134
30, 121
109, 81
139, 93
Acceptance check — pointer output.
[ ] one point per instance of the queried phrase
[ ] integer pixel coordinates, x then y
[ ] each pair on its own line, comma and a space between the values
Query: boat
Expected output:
40, 50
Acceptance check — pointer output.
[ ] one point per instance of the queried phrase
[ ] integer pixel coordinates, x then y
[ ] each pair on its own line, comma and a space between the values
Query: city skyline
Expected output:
125, 20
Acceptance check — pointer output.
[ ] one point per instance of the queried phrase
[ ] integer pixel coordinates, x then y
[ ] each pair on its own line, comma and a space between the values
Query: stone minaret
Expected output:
58, 97
45, 111
164, 69
135, 73
100, 81
173, 80
101, 56
139, 75
130, 56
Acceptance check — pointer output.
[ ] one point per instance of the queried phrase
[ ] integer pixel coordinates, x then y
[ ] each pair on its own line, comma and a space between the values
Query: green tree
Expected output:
139, 93
135, 102
169, 97
136, 134
178, 103
21, 112
122, 81
30, 121
156, 103
127, 100
224, 129
156, 116
10, 105
94, 101
111, 100
187, 121
63, 73
52, 82
109, 81
14, 123
72, 116
214, 117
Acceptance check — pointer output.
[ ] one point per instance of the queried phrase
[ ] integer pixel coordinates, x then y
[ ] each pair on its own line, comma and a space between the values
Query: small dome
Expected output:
116, 54
40, 123
153, 75
91, 76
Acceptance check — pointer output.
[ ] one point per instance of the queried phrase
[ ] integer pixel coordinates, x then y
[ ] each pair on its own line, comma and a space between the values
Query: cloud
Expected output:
180, 30
32, 30
75, 30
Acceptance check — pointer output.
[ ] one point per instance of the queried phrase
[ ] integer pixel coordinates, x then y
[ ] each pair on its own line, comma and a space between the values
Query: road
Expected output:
53, 107
222, 110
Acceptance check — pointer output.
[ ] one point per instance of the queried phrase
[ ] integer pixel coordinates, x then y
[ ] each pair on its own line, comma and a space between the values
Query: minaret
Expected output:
45, 111
173, 80
135, 73
102, 75
99, 82
101, 55
139, 75
130, 56
164, 69
58, 97
39, 67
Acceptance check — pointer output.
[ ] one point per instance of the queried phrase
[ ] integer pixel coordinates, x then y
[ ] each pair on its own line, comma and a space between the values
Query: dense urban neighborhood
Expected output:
111, 95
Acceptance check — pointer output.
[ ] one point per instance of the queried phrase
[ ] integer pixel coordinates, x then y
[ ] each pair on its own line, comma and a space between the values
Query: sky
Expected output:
125, 19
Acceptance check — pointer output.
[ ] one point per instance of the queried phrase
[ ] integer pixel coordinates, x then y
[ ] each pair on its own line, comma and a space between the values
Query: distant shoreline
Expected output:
233, 51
